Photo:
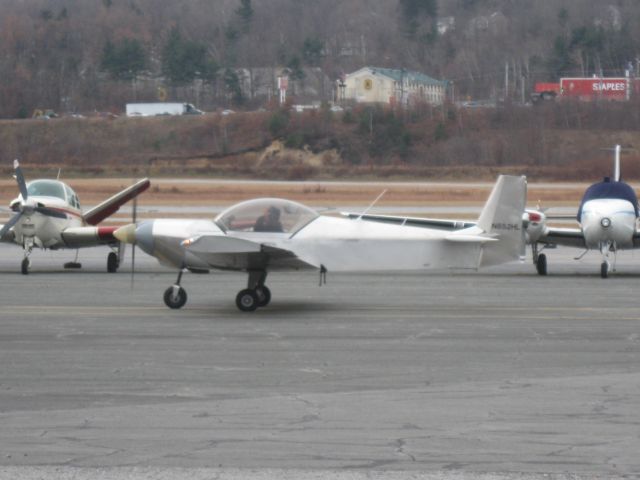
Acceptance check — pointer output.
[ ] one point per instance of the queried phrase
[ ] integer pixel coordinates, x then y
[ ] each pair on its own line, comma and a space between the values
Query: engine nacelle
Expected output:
534, 222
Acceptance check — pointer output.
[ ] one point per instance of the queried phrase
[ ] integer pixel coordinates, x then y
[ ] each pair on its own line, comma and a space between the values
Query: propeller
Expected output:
24, 206
134, 218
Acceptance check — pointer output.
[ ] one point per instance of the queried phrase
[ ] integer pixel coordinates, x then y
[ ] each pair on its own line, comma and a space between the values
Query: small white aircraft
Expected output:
48, 215
608, 219
269, 234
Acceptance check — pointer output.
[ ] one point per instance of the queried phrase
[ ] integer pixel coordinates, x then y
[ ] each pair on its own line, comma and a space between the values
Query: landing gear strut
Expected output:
257, 294
605, 266
26, 263
175, 296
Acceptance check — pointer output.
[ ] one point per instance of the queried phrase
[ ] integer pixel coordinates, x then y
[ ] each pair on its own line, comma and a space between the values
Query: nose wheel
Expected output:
175, 297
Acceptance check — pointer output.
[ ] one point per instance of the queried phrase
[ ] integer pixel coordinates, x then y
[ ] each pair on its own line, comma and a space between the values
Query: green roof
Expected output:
409, 76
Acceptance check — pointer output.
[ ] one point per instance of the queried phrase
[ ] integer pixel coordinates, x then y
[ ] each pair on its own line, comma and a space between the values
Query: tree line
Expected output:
79, 55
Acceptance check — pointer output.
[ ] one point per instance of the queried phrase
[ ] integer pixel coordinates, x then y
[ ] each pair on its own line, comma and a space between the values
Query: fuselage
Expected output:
338, 244
59, 209
608, 215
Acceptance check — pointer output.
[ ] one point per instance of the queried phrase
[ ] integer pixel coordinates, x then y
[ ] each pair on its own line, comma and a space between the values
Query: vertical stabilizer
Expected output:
616, 166
501, 217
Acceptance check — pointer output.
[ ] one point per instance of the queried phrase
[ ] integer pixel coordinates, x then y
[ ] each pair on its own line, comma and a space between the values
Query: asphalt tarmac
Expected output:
500, 374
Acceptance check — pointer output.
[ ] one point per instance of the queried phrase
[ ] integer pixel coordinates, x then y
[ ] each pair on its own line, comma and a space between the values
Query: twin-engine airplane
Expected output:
48, 215
608, 219
263, 235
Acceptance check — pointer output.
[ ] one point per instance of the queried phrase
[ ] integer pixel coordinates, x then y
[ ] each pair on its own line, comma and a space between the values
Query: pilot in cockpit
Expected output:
269, 221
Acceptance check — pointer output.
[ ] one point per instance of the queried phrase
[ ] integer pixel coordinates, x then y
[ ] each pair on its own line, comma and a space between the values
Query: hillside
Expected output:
562, 141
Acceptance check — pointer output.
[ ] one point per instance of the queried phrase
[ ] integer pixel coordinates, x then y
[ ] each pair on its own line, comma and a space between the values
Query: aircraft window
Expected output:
266, 215
72, 198
46, 188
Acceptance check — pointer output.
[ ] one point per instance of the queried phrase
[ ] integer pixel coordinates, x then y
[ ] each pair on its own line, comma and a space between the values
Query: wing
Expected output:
7, 237
113, 204
570, 237
437, 223
229, 253
80, 237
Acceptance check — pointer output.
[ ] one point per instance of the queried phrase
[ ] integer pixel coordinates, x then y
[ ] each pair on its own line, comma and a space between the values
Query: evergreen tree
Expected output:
124, 61
245, 12
183, 60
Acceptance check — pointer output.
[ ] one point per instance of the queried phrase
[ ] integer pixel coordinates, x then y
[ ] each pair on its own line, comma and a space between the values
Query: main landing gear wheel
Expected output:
25, 266
247, 300
175, 298
264, 296
112, 262
604, 269
541, 264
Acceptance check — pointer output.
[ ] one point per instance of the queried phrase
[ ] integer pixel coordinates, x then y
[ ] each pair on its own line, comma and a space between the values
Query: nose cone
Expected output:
126, 234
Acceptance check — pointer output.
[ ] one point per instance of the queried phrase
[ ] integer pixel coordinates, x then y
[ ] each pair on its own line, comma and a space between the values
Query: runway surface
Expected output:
498, 374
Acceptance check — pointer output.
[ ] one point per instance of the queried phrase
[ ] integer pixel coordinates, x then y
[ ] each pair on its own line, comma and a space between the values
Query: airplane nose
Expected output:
126, 234
605, 222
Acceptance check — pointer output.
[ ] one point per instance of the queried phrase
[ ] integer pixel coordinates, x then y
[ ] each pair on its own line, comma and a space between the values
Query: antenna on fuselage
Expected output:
59, 172
372, 204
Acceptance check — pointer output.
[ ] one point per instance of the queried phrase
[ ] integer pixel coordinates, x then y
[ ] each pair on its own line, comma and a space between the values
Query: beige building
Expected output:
390, 86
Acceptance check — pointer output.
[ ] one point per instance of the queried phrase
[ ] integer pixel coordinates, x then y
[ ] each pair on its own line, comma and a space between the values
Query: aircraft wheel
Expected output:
247, 300
604, 269
25, 266
175, 301
541, 264
112, 262
264, 296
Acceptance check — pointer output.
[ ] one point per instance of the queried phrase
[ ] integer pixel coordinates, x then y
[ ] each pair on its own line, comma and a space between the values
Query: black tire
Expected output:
604, 269
24, 266
112, 262
178, 301
247, 300
541, 264
264, 296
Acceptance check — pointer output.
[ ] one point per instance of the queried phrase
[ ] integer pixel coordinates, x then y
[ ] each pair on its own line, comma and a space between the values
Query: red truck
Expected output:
588, 89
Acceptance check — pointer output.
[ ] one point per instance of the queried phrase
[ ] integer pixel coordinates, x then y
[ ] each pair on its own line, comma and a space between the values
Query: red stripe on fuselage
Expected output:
105, 234
75, 213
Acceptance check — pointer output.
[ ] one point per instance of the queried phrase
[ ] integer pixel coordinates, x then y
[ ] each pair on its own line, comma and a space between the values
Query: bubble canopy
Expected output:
275, 215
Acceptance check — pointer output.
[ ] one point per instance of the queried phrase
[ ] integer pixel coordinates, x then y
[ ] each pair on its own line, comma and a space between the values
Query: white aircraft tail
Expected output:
501, 218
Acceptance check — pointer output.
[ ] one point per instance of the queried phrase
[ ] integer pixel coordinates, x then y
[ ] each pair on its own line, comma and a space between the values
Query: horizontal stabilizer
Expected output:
470, 238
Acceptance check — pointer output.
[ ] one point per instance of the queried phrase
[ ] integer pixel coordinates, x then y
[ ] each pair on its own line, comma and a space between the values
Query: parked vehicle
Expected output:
588, 89
161, 108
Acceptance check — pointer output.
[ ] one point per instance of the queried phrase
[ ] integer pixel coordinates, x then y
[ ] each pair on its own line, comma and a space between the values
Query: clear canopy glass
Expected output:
273, 215
53, 188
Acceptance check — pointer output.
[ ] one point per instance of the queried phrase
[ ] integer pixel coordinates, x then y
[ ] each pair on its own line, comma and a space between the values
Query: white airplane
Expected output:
48, 215
608, 219
268, 234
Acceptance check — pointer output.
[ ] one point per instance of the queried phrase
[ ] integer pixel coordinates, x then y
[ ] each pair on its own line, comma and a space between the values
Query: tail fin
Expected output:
501, 217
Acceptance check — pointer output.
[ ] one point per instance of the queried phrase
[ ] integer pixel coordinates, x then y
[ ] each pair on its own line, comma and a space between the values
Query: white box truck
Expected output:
160, 108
